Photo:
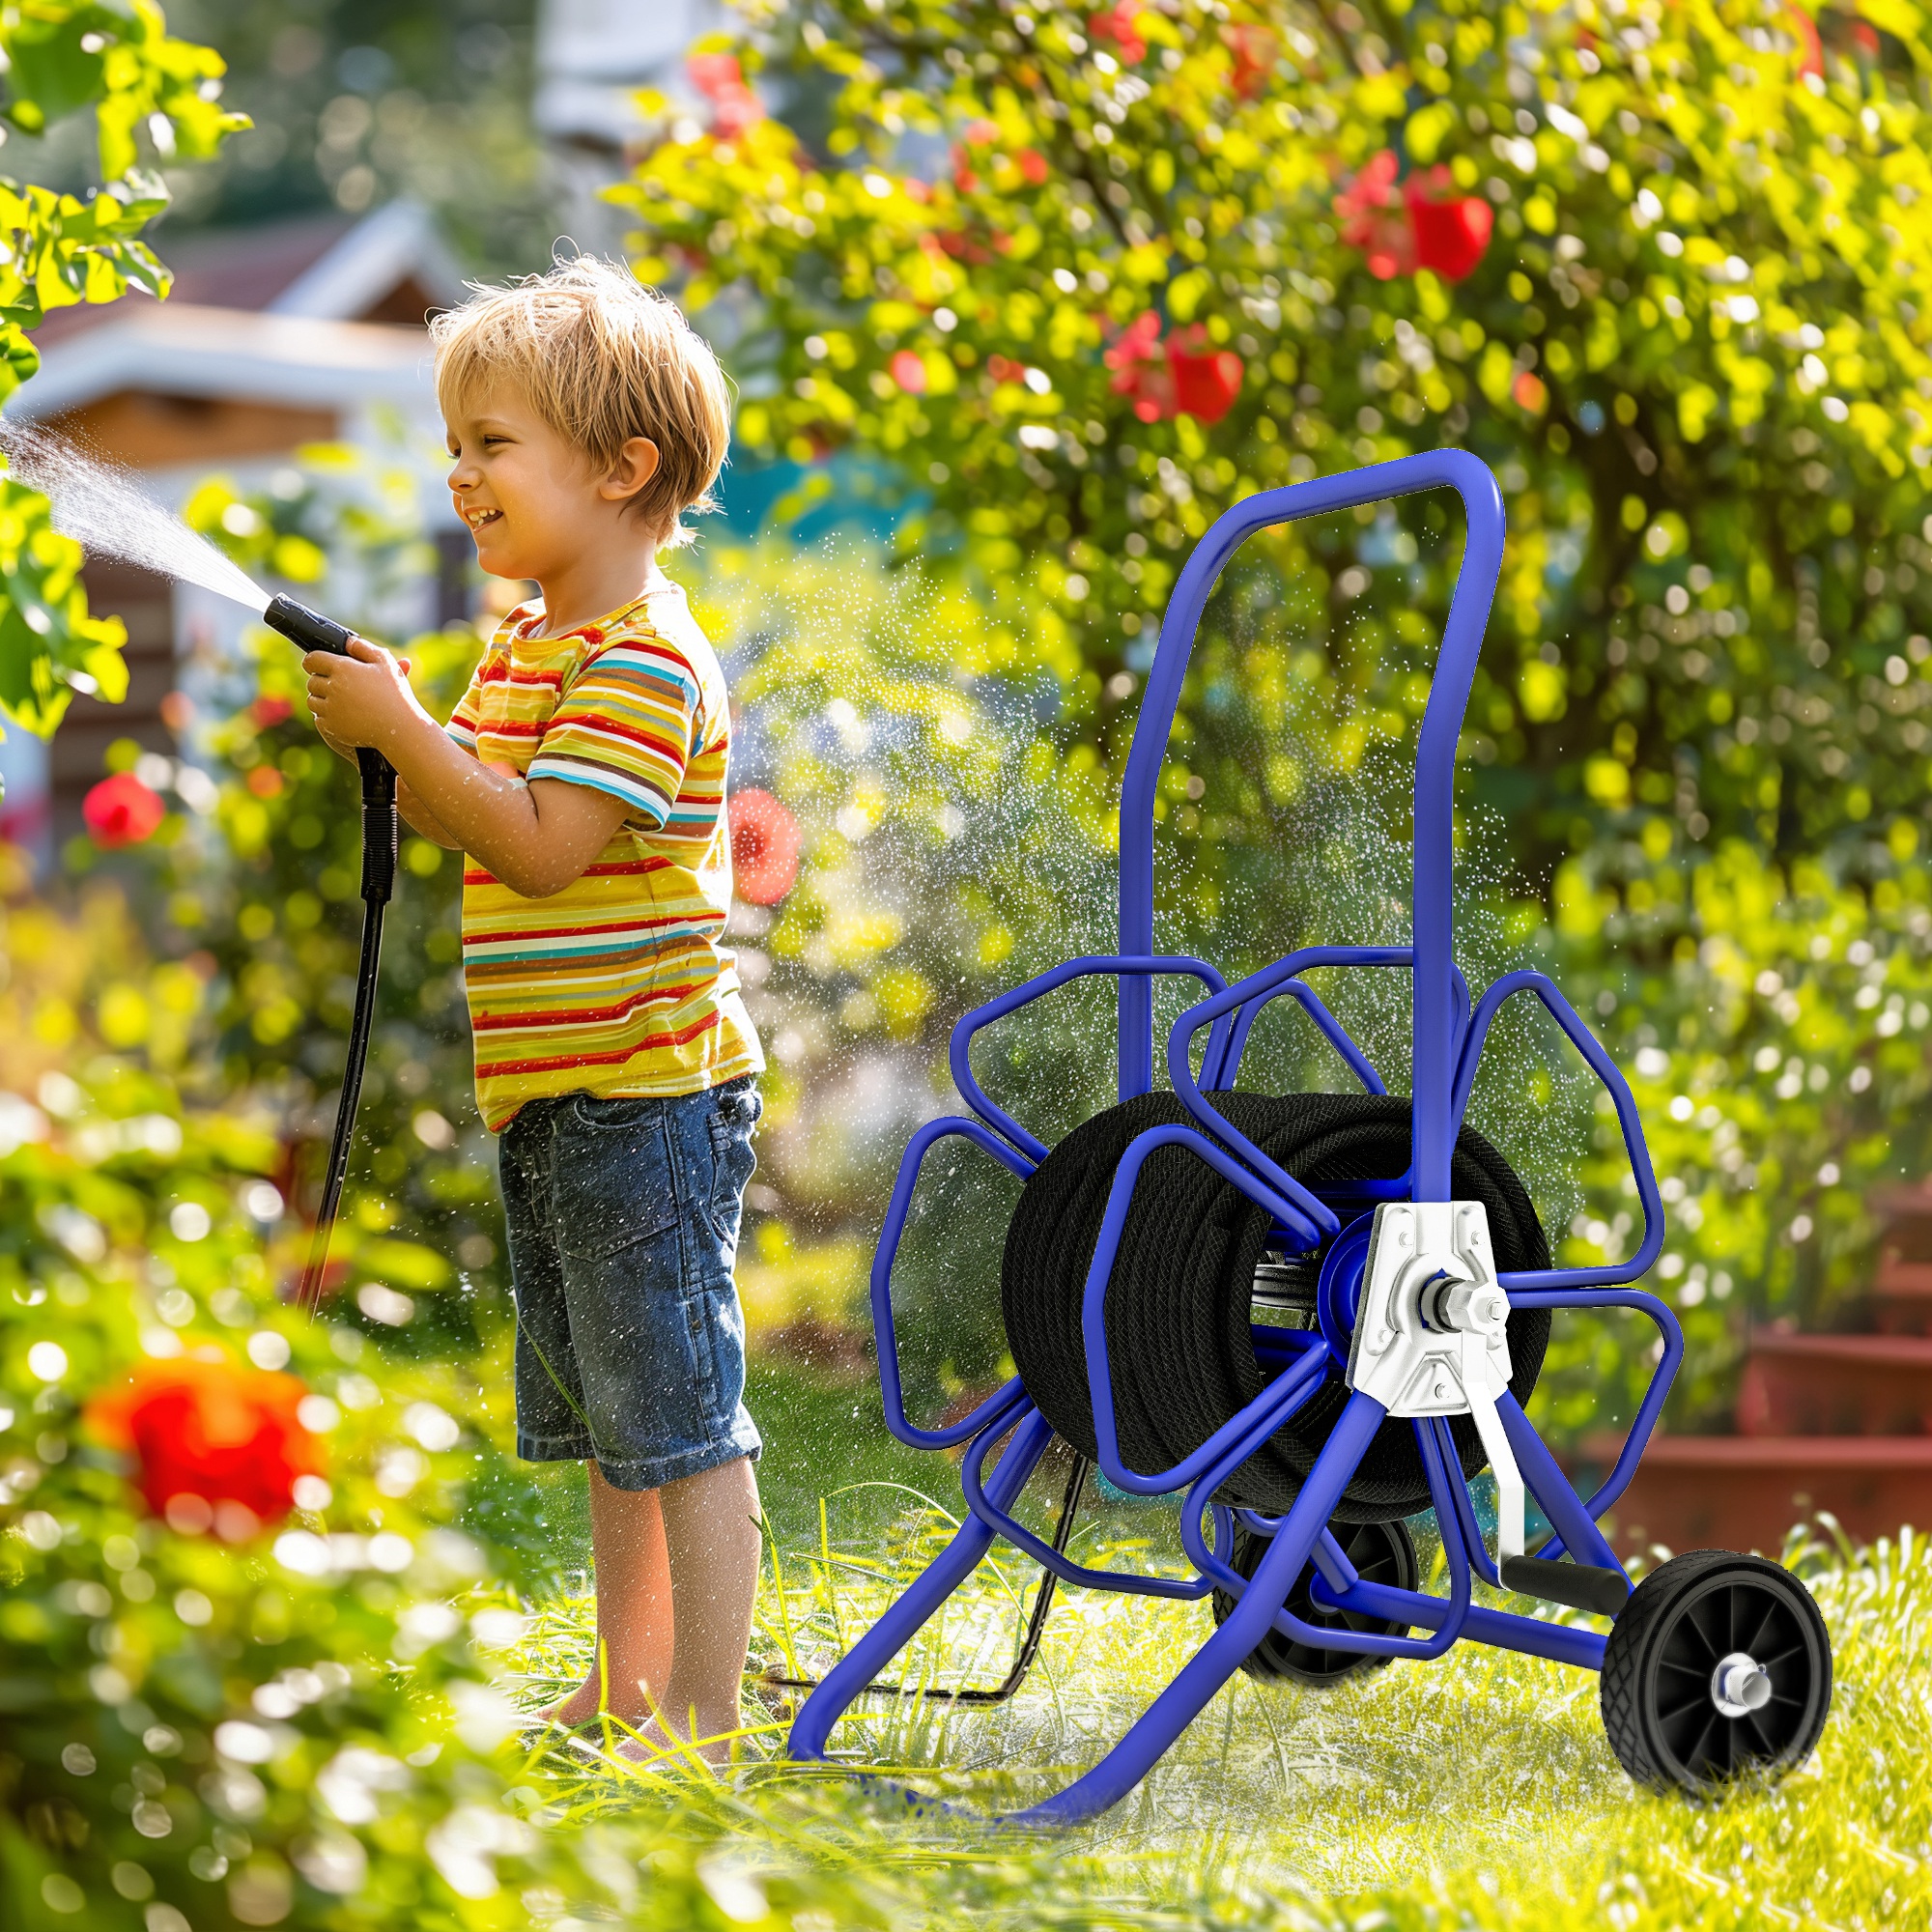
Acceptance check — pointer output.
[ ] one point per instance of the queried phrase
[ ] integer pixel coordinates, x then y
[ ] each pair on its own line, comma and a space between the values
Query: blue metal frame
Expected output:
1448, 1039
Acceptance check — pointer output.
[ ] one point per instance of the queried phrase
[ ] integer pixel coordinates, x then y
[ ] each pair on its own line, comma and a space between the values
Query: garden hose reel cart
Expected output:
1145, 1240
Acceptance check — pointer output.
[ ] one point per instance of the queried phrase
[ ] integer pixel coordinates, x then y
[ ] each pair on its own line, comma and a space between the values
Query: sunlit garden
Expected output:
1015, 302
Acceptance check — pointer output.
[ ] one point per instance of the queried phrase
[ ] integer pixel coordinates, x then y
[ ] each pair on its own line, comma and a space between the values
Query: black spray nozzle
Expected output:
309, 628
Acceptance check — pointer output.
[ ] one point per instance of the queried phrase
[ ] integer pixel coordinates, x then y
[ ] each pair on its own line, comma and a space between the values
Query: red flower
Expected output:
217, 1442
1402, 229
1118, 25
764, 848
1451, 236
908, 372
121, 810
1205, 381
1183, 377
719, 78
1255, 49
267, 711
1032, 166
1529, 392
1140, 369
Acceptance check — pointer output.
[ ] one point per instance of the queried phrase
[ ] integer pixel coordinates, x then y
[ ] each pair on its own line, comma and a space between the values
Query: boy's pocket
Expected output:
612, 1187
730, 1125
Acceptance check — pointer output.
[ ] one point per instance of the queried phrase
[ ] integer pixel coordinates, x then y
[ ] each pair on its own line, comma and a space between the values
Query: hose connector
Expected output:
380, 830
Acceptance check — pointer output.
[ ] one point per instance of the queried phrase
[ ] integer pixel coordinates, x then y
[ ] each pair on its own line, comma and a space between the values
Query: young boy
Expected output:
584, 775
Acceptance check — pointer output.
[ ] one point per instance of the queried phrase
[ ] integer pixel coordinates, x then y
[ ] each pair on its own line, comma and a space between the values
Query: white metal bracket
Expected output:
1430, 1333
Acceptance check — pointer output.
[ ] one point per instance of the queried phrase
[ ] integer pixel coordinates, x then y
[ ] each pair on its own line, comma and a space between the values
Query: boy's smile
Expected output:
536, 506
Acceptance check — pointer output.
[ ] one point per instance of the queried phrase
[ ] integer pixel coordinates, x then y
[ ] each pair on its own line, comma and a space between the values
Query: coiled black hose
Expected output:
1178, 1304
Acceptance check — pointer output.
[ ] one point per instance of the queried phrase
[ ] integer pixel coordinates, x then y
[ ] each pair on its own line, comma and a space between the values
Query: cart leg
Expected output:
1220, 1657
900, 1624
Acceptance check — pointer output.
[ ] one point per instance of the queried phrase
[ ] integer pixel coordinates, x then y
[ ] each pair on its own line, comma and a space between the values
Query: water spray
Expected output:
104, 509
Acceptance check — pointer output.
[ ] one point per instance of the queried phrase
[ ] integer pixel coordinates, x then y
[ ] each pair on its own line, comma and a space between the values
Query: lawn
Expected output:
1475, 1791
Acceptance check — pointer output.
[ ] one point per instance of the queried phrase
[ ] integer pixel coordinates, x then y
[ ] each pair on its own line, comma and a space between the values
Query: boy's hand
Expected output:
362, 698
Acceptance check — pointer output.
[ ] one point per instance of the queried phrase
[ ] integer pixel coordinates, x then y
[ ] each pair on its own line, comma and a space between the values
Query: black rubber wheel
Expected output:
1380, 1551
1665, 1707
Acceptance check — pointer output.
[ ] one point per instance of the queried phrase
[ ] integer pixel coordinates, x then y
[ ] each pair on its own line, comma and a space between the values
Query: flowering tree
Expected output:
61, 57
1087, 278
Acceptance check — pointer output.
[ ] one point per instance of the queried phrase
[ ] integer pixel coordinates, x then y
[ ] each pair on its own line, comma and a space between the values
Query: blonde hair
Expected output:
602, 359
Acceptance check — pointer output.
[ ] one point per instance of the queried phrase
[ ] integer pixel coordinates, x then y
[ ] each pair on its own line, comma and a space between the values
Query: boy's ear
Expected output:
636, 465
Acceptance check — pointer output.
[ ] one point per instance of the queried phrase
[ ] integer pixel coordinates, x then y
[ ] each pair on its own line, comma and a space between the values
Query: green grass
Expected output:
1478, 1790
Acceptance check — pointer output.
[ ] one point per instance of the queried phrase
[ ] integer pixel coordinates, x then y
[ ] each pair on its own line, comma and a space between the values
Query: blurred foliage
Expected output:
1694, 353
311, 1726
360, 102
149, 95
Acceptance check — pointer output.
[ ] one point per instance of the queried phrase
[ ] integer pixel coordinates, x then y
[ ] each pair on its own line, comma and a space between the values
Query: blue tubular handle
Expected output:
1435, 1007
886, 1338
1606, 1069
1135, 970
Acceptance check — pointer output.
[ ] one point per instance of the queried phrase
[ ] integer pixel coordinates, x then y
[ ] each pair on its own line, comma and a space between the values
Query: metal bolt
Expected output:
1740, 1685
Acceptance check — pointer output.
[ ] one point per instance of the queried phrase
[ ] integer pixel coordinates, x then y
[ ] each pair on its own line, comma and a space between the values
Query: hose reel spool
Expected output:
1178, 1305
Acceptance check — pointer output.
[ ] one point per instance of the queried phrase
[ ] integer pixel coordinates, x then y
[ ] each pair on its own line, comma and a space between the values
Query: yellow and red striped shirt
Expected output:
619, 984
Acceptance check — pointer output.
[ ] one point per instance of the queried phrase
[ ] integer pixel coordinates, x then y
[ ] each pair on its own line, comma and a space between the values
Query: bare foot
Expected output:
586, 1703
657, 1744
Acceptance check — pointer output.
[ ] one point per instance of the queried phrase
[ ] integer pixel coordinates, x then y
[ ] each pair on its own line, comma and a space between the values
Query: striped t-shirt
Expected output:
619, 984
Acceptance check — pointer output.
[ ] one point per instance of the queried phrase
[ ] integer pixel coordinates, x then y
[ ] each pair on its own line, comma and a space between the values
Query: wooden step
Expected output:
1902, 1295
1746, 1492
1836, 1385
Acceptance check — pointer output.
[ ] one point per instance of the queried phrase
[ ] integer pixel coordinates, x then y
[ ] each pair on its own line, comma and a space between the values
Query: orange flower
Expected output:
1255, 49
1529, 392
121, 810
218, 1443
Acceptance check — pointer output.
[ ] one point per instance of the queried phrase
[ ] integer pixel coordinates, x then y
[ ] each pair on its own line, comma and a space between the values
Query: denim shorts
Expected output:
623, 1224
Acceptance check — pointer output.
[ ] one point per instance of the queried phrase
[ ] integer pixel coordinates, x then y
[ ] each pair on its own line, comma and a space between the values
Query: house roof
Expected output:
274, 315
332, 266
184, 350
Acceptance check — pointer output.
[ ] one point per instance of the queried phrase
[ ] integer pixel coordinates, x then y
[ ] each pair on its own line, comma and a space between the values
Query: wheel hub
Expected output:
1740, 1685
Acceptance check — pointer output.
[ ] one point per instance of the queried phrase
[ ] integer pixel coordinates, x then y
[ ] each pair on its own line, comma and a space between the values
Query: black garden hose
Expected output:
313, 632
380, 833
1178, 1304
